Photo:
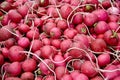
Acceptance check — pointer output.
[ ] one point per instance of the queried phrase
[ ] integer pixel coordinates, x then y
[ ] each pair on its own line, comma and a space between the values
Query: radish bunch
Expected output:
60, 40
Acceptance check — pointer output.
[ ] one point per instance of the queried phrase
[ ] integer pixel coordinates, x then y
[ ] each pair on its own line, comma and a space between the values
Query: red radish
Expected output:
38, 53
82, 38
62, 24
81, 28
55, 32
15, 54
29, 65
14, 69
5, 52
77, 50
88, 71
117, 78
10, 42
111, 38
106, 4
74, 2
113, 25
36, 45
90, 1
32, 33
24, 42
4, 33
77, 64
74, 73
90, 19
97, 78
43, 3
49, 77
65, 44
52, 12
78, 18
46, 51
113, 18
110, 75
23, 10
5, 20
44, 69
81, 76
104, 59
70, 33
66, 77
65, 10
38, 22
56, 43
98, 45
102, 14
23, 28
6, 6
46, 41
113, 10
16, 17
41, 11
58, 58
27, 76
101, 27
1, 59
48, 26
60, 71
13, 78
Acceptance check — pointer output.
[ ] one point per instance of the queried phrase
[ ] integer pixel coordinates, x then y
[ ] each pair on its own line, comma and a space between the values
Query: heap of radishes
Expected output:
60, 40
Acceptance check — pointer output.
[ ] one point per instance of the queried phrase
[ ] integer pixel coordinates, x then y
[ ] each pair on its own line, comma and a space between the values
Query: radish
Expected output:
6, 6
66, 77
23, 10
62, 24
89, 71
16, 17
65, 10
36, 45
15, 55
49, 77
48, 26
77, 64
24, 28
46, 51
74, 73
43, 3
9, 42
45, 69
24, 42
81, 29
111, 38
70, 33
5, 33
65, 44
110, 75
60, 71
5, 52
13, 78
98, 45
90, 19
97, 78
1, 60
113, 10
55, 32
46, 41
27, 76
5, 19
104, 59
106, 4
14, 69
77, 19
113, 26
56, 43
29, 65
102, 14
113, 18
81, 76
117, 78
101, 27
